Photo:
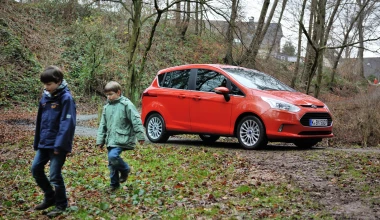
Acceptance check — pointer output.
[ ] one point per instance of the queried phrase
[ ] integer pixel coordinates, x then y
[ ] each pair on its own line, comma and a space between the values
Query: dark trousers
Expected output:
58, 194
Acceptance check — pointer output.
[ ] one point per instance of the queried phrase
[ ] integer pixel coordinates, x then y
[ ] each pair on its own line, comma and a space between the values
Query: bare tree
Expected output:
361, 38
284, 2
135, 68
186, 21
230, 32
254, 46
295, 74
345, 40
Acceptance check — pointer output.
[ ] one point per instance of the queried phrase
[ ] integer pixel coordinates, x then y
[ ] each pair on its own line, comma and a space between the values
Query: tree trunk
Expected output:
345, 40
296, 69
254, 45
277, 27
322, 43
260, 37
310, 52
134, 84
196, 18
178, 14
228, 59
324, 37
185, 23
361, 39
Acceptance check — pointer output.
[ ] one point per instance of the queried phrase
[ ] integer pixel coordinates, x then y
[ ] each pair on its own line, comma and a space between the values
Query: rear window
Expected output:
177, 79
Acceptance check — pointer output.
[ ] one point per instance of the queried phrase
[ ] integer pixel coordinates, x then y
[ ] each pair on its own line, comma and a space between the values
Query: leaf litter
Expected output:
195, 181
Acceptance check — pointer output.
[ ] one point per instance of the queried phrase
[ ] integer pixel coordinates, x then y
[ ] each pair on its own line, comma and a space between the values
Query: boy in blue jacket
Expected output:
53, 140
119, 128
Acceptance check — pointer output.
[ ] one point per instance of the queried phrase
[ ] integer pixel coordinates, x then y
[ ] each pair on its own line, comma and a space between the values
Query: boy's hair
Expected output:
51, 74
112, 86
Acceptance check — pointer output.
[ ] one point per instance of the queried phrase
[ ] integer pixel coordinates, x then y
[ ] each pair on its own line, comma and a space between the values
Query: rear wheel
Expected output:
251, 133
307, 143
155, 129
209, 138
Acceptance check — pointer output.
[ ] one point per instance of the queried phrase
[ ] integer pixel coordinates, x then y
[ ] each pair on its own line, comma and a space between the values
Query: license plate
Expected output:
318, 122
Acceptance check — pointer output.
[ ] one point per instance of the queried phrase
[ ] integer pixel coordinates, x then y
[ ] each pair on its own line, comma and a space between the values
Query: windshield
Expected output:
256, 80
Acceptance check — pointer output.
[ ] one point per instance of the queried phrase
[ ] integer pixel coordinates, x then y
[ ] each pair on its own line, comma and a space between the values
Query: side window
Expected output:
161, 79
177, 79
235, 90
208, 80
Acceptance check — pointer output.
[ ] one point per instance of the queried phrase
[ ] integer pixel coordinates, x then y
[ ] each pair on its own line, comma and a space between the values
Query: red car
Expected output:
214, 100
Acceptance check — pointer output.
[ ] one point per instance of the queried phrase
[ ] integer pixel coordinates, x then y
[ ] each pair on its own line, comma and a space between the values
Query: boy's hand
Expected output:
56, 152
100, 146
141, 142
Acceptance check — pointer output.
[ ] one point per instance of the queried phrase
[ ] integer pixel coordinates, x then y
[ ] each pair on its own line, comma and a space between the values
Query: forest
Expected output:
318, 47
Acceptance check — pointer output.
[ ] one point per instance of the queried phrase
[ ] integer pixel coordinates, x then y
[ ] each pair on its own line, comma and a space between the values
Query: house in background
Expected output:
285, 57
245, 32
371, 65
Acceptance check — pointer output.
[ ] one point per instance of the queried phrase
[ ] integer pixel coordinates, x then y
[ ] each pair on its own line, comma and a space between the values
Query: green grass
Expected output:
167, 182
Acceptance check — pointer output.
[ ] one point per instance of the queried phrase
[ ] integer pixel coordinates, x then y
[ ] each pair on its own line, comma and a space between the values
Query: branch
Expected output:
307, 36
350, 44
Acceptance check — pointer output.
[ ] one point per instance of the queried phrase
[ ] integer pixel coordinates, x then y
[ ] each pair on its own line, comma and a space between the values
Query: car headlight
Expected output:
277, 104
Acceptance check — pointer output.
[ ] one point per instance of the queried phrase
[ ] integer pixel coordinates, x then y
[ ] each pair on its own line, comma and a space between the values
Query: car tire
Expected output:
307, 143
209, 138
156, 129
251, 133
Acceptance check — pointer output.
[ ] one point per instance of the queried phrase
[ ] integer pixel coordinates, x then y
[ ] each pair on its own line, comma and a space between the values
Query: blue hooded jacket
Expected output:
56, 120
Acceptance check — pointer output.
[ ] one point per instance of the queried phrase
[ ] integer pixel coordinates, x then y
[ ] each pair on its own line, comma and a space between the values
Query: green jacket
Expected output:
120, 125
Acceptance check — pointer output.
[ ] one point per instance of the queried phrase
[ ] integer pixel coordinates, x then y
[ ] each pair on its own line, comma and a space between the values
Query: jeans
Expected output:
116, 164
58, 194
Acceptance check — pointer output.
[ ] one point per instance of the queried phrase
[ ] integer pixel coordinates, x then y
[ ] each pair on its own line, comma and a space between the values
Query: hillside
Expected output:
91, 47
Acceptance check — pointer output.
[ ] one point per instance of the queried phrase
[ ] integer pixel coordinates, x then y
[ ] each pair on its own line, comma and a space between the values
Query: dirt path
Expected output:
83, 130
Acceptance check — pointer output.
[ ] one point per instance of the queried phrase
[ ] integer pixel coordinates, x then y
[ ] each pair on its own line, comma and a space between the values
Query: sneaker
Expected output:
112, 189
123, 176
45, 204
55, 212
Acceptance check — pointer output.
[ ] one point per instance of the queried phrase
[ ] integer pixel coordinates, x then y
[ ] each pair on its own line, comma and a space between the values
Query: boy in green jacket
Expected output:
119, 128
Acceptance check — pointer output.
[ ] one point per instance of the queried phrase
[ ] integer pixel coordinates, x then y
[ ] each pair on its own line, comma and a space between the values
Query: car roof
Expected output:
196, 66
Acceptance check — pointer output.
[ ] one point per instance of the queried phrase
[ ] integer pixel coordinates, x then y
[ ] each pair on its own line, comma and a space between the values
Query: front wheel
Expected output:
209, 138
251, 133
155, 129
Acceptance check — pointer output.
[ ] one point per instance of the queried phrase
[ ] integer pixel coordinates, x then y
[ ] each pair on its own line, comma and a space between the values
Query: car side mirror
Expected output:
223, 91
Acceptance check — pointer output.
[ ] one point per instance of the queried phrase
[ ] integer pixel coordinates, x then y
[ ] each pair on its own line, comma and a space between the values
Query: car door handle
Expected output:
197, 98
181, 96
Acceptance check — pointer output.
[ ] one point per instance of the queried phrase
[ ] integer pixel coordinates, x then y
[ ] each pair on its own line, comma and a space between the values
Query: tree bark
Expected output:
178, 14
322, 43
134, 83
185, 23
296, 69
277, 27
228, 59
252, 51
361, 39
345, 39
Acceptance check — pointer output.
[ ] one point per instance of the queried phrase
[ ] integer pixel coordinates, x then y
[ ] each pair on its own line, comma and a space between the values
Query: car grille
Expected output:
305, 119
312, 106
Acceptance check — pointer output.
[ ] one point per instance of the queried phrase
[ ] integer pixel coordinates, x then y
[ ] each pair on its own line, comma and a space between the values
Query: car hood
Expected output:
296, 98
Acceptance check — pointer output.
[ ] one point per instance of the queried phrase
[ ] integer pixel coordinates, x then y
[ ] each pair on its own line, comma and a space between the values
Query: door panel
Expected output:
174, 97
209, 112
